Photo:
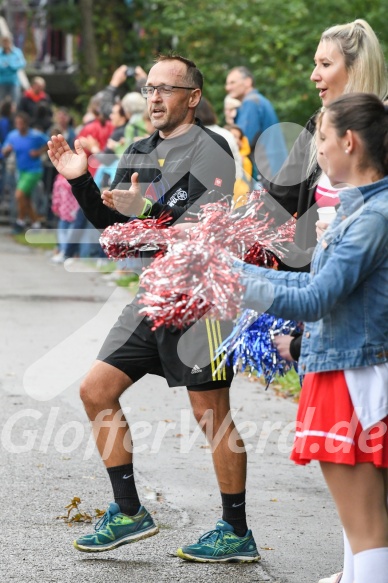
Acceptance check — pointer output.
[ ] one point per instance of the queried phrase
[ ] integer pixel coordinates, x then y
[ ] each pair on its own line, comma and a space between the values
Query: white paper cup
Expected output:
327, 214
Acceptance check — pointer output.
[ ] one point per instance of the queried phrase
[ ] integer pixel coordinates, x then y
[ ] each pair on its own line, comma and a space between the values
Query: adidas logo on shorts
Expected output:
196, 369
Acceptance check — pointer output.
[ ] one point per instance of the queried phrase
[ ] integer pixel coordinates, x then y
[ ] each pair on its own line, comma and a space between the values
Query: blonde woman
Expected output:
348, 59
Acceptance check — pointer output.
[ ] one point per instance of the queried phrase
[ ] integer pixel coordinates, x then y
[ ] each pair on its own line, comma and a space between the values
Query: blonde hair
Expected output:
231, 102
364, 62
364, 58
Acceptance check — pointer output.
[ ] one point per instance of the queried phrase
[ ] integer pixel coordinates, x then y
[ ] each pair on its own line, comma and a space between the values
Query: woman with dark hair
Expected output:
342, 418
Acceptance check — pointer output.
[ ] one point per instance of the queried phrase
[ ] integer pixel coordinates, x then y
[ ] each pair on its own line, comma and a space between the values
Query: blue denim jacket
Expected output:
344, 299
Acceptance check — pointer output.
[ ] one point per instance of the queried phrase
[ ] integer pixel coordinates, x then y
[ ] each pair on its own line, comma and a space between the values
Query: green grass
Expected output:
47, 242
288, 385
108, 267
132, 279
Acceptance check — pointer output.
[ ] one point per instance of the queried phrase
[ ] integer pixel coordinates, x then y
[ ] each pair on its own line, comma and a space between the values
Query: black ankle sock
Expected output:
124, 488
233, 512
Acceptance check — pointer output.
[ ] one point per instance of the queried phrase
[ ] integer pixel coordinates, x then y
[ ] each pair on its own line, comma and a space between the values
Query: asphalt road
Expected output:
53, 322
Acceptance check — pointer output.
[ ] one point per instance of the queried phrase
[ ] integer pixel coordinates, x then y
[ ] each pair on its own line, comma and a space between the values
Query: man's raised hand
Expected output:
127, 202
68, 163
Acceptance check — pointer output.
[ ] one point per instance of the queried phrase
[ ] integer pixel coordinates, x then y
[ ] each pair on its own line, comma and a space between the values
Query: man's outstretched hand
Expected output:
68, 163
127, 202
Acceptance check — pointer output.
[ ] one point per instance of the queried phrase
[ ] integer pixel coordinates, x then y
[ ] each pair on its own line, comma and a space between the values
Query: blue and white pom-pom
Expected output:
250, 345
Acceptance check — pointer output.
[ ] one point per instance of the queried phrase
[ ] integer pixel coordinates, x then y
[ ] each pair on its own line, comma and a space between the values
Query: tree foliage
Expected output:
276, 40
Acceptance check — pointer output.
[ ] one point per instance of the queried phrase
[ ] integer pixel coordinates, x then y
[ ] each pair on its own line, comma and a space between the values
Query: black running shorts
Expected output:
182, 357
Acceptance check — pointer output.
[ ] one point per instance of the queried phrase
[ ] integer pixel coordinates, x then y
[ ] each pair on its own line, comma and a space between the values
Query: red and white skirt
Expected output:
328, 429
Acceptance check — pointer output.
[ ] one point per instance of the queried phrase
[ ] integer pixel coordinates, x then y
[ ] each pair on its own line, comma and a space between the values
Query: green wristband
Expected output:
146, 209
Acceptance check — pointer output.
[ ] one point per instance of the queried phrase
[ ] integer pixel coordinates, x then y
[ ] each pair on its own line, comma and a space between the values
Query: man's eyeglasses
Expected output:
164, 90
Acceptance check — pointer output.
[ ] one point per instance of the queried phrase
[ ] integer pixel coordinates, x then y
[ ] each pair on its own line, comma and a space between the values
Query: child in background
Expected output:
65, 207
231, 106
243, 188
244, 149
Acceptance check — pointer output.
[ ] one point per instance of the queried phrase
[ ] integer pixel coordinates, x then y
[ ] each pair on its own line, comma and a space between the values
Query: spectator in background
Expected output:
132, 103
107, 158
65, 207
38, 105
244, 150
6, 118
11, 60
241, 197
28, 145
19, 10
39, 29
255, 115
119, 120
63, 124
205, 113
231, 106
134, 106
6, 125
95, 134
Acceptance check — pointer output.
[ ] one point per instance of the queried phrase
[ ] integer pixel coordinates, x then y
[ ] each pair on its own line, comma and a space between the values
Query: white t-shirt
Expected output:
368, 388
229, 137
325, 193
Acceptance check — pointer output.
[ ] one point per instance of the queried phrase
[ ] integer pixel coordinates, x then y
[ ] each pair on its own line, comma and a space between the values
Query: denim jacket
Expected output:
344, 299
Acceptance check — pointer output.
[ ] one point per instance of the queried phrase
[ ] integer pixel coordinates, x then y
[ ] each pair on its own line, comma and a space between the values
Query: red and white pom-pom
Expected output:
195, 278
189, 282
256, 240
123, 240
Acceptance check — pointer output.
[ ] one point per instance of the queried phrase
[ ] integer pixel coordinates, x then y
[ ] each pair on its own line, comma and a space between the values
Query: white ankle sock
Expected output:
348, 574
371, 566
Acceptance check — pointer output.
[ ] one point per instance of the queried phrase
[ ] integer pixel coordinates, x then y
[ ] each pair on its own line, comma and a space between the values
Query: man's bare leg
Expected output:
100, 393
231, 540
212, 410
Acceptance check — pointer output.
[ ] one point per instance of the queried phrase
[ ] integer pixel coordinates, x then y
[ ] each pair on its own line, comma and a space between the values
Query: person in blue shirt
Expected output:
255, 115
28, 145
11, 60
6, 125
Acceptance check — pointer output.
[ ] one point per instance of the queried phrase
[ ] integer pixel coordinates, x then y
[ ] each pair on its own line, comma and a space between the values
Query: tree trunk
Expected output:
89, 57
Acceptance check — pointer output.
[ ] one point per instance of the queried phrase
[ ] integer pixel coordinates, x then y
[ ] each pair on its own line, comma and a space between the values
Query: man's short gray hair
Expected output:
245, 72
132, 103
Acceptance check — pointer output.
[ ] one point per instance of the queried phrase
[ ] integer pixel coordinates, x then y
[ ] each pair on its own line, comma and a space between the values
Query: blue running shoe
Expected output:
222, 545
115, 529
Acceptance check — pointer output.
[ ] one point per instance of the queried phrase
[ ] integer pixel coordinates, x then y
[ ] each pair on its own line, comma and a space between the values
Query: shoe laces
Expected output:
105, 518
212, 536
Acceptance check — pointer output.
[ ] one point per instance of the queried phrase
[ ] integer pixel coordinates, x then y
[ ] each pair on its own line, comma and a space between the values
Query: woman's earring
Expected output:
346, 151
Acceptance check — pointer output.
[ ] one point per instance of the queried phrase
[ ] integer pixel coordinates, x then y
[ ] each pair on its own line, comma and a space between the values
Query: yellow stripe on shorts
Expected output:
215, 339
